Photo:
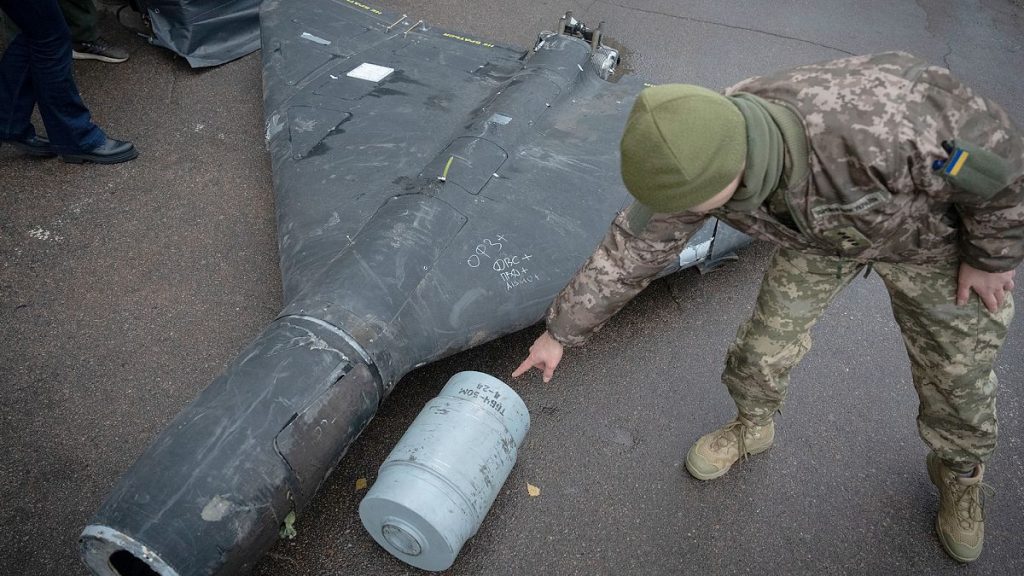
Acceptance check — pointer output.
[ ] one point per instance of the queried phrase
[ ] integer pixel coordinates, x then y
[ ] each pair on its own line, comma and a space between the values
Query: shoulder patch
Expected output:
973, 169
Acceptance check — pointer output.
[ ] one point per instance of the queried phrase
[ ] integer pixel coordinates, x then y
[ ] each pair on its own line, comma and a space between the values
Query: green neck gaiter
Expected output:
772, 131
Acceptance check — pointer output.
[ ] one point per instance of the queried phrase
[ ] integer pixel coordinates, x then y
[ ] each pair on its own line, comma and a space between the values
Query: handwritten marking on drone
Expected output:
511, 269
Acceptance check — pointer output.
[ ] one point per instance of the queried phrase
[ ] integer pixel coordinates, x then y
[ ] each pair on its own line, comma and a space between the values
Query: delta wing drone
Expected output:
434, 191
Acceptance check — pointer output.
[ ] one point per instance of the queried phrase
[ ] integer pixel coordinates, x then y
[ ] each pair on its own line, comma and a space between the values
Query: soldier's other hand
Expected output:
991, 287
545, 354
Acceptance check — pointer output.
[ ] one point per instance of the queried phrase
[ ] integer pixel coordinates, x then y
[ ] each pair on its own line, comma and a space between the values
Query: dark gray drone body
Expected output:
433, 192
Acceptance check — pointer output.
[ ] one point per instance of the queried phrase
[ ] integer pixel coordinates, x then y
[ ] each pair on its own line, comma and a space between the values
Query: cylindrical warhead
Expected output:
438, 483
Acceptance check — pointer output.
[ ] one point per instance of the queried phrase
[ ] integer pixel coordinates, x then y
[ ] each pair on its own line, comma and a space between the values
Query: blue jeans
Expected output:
36, 69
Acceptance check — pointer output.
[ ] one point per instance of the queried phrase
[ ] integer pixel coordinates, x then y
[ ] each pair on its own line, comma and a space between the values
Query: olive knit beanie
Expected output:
682, 145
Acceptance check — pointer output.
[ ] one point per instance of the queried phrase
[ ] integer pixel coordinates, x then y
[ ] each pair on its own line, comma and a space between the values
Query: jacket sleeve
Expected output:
987, 188
638, 246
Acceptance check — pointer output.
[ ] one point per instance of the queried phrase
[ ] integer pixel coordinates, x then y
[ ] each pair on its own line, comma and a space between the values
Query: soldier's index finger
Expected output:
526, 365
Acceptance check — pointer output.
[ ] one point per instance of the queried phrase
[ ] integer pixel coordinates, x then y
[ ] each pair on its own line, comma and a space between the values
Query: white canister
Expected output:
436, 486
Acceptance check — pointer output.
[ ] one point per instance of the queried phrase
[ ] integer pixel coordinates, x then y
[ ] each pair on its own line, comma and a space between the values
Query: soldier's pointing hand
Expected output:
545, 354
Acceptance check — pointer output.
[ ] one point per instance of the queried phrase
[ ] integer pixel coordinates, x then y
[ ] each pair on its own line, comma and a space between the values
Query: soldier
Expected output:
877, 163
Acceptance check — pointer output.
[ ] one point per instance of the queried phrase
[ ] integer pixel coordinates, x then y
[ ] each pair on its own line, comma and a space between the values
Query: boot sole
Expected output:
96, 159
87, 56
700, 476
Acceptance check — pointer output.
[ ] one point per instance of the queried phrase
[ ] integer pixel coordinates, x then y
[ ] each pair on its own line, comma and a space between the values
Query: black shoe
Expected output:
35, 146
98, 50
110, 152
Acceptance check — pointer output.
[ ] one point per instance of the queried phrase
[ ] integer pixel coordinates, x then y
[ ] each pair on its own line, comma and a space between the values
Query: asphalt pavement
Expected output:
124, 290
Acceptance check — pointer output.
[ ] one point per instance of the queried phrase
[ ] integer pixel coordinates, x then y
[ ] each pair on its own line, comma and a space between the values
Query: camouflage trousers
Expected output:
951, 348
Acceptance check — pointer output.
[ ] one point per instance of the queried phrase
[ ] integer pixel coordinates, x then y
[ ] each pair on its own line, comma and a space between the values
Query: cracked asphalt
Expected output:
124, 290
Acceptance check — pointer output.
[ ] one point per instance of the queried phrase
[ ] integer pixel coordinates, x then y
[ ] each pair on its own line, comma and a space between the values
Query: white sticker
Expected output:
317, 39
371, 72
694, 254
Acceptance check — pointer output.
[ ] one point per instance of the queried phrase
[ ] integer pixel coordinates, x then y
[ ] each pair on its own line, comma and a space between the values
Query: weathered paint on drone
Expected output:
385, 266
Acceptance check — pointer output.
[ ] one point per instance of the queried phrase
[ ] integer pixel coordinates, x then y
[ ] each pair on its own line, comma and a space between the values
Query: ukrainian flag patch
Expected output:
956, 162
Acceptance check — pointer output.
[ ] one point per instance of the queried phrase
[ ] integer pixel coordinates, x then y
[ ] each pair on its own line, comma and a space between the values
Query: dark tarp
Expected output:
205, 32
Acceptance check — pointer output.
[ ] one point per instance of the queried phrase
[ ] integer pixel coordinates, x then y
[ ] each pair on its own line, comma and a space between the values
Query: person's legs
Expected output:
952, 350
86, 42
85, 33
794, 293
81, 18
17, 96
67, 120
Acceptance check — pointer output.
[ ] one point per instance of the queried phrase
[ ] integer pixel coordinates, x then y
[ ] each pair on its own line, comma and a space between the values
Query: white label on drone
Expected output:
371, 72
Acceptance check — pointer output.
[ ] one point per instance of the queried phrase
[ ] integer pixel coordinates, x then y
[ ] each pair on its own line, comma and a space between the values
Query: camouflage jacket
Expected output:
874, 127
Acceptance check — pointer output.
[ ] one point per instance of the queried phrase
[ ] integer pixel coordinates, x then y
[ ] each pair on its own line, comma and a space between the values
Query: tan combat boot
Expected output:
713, 455
961, 520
